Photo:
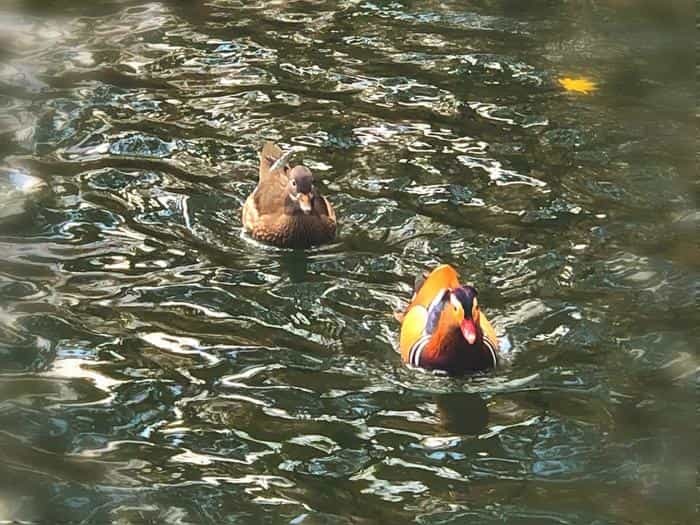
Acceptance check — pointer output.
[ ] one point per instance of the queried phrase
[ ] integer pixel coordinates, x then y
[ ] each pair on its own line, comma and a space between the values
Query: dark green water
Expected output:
156, 367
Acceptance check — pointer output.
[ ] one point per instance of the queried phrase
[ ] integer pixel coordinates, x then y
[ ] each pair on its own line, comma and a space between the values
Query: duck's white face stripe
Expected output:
454, 301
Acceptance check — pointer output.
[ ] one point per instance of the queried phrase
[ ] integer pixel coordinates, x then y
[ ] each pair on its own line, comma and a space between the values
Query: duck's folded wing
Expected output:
250, 215
329, 209
412, 329
429, 286
322, 207
442, 278
420, 323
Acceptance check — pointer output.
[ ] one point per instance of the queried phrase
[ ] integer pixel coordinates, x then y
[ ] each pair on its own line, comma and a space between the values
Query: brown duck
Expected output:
285, 209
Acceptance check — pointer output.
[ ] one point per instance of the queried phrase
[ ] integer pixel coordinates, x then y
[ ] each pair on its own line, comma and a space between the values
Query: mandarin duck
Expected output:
285, 209
443, 327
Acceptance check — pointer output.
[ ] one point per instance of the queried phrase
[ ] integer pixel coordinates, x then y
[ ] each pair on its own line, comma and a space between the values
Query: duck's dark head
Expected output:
301, 189
464, 301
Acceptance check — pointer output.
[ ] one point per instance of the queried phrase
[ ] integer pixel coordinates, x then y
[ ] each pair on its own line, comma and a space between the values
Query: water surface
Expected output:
158, 367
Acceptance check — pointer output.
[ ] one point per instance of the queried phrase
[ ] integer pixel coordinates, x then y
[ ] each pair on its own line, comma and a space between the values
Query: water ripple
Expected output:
158, 365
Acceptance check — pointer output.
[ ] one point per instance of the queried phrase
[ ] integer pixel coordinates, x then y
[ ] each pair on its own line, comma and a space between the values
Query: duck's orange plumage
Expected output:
444, 328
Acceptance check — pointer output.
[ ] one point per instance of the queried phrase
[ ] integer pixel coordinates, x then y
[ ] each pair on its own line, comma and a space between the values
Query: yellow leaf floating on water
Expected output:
578, 85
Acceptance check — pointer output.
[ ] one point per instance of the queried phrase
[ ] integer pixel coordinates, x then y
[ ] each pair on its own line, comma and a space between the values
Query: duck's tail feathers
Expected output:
270, 152
420, 280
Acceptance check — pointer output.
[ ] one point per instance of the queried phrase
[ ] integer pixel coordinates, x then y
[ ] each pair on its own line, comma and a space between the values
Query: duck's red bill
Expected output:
468, 330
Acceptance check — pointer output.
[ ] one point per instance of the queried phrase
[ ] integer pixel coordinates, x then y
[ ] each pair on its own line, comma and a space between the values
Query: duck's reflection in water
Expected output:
294, 263
462, 413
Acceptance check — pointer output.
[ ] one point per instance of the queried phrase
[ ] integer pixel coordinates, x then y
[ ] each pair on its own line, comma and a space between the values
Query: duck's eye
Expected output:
294, 183
455, 303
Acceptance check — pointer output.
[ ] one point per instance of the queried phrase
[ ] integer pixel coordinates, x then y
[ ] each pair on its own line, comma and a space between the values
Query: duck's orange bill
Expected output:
468, 330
